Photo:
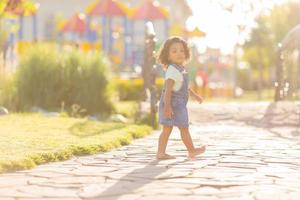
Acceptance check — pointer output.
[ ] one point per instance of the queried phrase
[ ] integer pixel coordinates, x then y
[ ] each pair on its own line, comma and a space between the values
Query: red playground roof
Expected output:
149, 11
75, 24
107, 8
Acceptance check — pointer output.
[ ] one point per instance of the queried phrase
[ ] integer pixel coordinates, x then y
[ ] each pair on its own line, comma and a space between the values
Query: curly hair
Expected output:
163, 53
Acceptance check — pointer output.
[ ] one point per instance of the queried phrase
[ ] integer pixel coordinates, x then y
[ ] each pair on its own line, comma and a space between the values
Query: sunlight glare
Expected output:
224, 21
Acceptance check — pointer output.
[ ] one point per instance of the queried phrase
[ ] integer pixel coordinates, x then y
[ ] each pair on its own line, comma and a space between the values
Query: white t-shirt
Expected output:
176, 75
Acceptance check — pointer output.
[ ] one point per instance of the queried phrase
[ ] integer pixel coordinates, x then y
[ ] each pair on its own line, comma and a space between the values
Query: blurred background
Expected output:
243, 50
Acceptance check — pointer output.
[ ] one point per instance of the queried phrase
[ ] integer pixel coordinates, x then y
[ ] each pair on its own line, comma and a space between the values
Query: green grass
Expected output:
27, 140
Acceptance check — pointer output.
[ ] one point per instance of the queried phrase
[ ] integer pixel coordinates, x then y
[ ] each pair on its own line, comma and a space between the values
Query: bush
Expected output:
132, 90
129, 109
48, 78
8, 92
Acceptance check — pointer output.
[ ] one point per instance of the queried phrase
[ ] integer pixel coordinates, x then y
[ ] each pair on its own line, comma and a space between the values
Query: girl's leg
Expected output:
187, 140
162, 143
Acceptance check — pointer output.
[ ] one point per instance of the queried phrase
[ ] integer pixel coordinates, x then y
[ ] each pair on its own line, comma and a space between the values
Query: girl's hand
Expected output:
168, 112
198, 98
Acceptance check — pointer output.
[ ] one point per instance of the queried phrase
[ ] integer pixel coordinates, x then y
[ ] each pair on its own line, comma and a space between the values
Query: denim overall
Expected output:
178, 102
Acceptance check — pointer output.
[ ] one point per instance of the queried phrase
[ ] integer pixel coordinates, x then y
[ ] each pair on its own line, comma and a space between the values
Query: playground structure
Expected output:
105, 25
115, 29
16, 10
12, 14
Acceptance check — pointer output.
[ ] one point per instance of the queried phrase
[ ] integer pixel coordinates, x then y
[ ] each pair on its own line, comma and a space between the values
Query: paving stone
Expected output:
270, 194
52, 198
68, 180
43, 191
164, 197
234, 196
251, 154
213, 174
13, 192
240, 165
102, 190
8, 181
206, 191
293, 196
92, 171
47, 174
123, 197
166, 191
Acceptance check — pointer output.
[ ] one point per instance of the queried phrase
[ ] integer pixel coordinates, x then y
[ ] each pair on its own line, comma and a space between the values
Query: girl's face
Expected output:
176, 53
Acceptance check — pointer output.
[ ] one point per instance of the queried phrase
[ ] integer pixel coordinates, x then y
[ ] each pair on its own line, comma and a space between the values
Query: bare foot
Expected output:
164, 156
196, 152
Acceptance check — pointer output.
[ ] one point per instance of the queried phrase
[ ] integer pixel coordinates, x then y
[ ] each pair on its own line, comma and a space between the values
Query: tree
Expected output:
260, 50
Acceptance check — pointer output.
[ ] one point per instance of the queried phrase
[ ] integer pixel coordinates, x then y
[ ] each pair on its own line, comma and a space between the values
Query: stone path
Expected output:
242, 161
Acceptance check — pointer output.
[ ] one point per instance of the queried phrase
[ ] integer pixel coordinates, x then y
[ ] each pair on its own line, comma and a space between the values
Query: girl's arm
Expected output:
195, 95
168, 97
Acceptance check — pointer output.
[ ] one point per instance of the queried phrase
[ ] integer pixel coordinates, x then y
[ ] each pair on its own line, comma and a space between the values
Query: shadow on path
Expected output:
274, 117
136, 179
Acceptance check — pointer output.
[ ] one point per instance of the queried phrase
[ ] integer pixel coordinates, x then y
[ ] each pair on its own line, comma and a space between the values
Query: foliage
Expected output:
48, 78
8, 92
260, 50
129, 109
132, 90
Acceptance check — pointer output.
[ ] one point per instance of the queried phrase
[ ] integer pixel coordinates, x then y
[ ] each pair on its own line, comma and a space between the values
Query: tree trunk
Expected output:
298, 77
234, 71
278, 82
261, 78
